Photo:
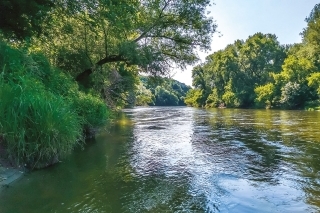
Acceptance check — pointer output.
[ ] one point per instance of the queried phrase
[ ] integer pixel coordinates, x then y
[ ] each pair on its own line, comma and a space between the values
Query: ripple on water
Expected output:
227, 168
187, 160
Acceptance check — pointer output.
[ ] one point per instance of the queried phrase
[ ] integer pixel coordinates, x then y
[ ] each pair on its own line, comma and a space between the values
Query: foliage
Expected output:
259, 72
165, 98
21, 18
230, 99
314, 82
312, 32
265, 95
213, 100
154, 35
194, 98
199, 78
234, 73
291, 95
297, 69
119, 86
36, 124
91, 108
312, 105
165, 91
42, 111
143, 96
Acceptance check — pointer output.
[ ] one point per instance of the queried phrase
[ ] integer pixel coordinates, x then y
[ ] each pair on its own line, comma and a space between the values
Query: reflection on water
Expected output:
180, 159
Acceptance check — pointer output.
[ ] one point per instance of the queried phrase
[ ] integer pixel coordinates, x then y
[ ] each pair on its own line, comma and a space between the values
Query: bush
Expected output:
292, 95
265, 95
62, 84
42, 111
213, 99
194, 97
312, 105
91, 108
230, 99
37, 125
15, 63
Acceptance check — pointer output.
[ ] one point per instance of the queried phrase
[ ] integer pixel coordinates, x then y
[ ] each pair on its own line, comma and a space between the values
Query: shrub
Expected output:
312, 105
62, 84
15, 63
265, 95
91, 108
37, 125
292, 95
42, 111
230, 99
194, 97
213, 99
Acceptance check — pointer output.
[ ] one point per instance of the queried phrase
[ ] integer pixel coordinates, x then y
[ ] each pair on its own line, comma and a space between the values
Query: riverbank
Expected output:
8, 172
8, 175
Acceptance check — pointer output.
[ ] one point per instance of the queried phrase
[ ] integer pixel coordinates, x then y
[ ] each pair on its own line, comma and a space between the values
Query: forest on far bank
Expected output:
160, 92
261, 73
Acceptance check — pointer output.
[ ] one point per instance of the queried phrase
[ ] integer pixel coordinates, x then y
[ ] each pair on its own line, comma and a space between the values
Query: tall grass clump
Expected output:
38, 126
89, 106
42, 111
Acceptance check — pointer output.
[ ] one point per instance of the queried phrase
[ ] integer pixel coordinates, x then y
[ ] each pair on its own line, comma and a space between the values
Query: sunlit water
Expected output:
180, 159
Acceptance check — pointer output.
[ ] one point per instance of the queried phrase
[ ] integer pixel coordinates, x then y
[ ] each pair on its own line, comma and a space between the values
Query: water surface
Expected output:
180, 159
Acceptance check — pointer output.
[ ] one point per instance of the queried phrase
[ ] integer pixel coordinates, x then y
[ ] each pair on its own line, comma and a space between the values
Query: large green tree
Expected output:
155, 35
229, 76
312, 31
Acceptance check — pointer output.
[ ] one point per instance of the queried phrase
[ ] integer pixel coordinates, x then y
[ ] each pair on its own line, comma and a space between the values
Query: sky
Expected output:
238, 19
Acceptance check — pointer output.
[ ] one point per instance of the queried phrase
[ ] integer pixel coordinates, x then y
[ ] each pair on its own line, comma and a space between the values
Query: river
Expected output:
181, 159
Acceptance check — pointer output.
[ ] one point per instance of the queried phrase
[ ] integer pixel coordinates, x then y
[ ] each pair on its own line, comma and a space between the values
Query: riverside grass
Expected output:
42, 112
37, 125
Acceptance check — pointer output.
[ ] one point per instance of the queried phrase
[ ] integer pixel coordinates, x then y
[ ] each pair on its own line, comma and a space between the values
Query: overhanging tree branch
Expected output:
112, 58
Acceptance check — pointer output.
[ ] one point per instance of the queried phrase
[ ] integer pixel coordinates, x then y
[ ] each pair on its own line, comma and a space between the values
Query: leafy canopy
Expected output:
21, 19
155, 34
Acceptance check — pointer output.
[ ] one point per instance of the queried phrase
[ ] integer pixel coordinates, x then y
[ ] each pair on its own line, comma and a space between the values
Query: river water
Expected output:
180, 159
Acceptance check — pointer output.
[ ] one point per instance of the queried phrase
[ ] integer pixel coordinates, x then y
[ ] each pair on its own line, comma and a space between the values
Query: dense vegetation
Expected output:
42, 113
259, 72
160, 92
66, 64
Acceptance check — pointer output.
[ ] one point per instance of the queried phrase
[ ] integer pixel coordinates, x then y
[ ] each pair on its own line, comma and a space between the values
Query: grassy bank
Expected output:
43, 113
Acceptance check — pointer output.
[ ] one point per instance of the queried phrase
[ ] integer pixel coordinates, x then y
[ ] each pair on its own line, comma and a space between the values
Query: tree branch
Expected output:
112, 58
155, 23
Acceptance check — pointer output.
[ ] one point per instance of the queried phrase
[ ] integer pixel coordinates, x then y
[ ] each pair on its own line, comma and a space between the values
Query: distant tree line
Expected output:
160, 92
259, 72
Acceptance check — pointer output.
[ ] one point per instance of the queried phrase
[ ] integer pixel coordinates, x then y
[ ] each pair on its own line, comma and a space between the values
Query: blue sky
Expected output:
238, 19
